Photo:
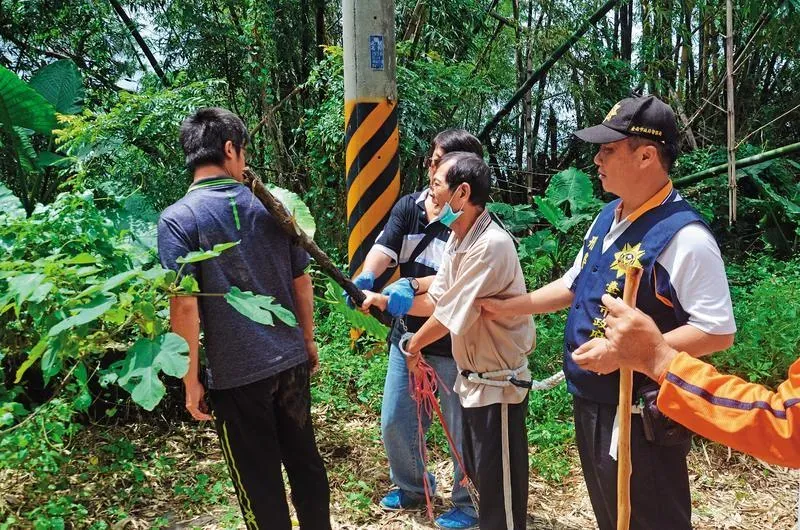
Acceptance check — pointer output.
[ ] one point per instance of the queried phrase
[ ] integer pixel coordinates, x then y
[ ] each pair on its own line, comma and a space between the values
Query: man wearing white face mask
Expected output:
414, 241
480, 261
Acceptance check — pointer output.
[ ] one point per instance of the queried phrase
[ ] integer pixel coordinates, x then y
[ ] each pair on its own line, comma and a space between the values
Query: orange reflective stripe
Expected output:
661, 298
745, 416
651, 203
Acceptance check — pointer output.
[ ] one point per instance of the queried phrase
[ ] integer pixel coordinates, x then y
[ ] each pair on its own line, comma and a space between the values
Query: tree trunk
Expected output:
552, 133
556, 55
688, 49
731, 114
413, 21
139, 40
319, 28
626, 31
537, 120
687, 129
521, 75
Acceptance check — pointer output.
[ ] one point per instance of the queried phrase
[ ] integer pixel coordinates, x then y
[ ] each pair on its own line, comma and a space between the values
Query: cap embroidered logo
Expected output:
613, 111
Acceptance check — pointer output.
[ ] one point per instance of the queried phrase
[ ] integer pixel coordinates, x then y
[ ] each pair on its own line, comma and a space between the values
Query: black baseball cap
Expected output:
645, 116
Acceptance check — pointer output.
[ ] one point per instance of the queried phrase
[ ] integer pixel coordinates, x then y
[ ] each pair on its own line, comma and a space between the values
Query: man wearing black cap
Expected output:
683, 288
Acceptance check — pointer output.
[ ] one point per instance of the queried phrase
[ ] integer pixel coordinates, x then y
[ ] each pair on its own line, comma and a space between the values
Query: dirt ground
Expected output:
729, 490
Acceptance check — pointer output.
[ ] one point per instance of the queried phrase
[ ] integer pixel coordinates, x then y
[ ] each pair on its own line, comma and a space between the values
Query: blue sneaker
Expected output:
456, 518
398, 499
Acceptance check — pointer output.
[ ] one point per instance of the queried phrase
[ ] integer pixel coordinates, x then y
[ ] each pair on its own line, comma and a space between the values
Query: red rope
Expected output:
423, 392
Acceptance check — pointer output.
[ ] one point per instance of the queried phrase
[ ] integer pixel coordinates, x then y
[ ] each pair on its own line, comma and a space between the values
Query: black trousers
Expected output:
483, 458
261, 426
660, 496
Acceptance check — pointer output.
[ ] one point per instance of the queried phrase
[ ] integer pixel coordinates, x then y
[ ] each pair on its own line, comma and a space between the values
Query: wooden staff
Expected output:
288, 224
633, 276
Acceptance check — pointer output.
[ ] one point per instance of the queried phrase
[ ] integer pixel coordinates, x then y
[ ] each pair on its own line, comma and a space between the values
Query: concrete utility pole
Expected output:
370, 115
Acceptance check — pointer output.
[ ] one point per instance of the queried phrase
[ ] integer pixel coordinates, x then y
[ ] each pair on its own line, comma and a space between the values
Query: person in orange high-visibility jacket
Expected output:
745, 416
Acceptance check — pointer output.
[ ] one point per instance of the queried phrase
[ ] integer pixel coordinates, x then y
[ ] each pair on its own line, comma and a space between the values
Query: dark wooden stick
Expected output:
287, 223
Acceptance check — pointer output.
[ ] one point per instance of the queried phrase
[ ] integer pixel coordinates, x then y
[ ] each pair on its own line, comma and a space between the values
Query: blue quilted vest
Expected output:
602, 272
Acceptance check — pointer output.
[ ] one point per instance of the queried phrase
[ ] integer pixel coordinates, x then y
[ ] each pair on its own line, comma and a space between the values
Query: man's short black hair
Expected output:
204, 133
469, 168
667, 152
452, 140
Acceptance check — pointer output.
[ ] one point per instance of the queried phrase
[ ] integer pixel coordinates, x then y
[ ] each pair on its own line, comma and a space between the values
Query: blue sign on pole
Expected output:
376, 52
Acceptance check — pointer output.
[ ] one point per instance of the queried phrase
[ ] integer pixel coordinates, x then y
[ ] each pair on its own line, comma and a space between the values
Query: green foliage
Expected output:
297, 209
77, 301
60, 83
80, 302
134, 145
357, 319
138, 372
517, 218
202, 255
259, 308
348, 379
568, 206
766, 303
768, 198
22, 106
28, 114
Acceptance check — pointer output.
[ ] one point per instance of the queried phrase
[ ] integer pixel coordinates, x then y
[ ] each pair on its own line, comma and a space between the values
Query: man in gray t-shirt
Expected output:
257, 375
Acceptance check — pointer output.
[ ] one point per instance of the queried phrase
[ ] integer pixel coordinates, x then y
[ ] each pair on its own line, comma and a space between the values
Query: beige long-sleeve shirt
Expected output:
484, 264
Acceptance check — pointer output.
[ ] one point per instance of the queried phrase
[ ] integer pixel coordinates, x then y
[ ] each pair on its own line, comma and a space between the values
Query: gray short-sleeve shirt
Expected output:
219, 210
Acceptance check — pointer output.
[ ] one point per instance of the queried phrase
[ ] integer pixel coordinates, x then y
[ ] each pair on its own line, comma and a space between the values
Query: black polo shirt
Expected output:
405, 229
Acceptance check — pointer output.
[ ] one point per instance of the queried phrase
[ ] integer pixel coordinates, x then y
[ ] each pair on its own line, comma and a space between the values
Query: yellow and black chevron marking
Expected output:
373, 172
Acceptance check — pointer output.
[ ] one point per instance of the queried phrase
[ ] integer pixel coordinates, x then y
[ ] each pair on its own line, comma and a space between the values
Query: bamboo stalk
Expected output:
744, 162
632, 278
288, 225
543, 69
731, 114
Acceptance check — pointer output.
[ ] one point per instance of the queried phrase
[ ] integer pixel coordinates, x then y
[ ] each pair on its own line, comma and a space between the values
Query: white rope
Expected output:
551, 382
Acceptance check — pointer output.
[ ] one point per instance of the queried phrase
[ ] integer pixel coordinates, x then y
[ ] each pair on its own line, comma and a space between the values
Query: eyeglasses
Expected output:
431, 162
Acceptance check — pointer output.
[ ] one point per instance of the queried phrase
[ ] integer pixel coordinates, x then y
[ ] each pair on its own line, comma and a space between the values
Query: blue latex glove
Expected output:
363, 281
401, 297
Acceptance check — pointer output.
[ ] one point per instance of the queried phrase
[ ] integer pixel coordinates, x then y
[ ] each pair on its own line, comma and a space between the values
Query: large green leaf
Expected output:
296, 207
111, 283
138, 372
355, 318
28, 287
10, 205
259, 308
550, 211
573, 186
48, 158
33, 356
516, 218
22, 106
85, 314
23, 146
202, 255
540, 242
60, 84
791, 209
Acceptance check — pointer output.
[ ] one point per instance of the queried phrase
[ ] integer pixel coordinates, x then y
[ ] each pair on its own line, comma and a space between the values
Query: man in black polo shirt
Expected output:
414, 240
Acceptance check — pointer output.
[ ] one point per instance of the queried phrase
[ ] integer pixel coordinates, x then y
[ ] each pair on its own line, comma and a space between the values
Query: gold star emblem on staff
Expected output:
626, 258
